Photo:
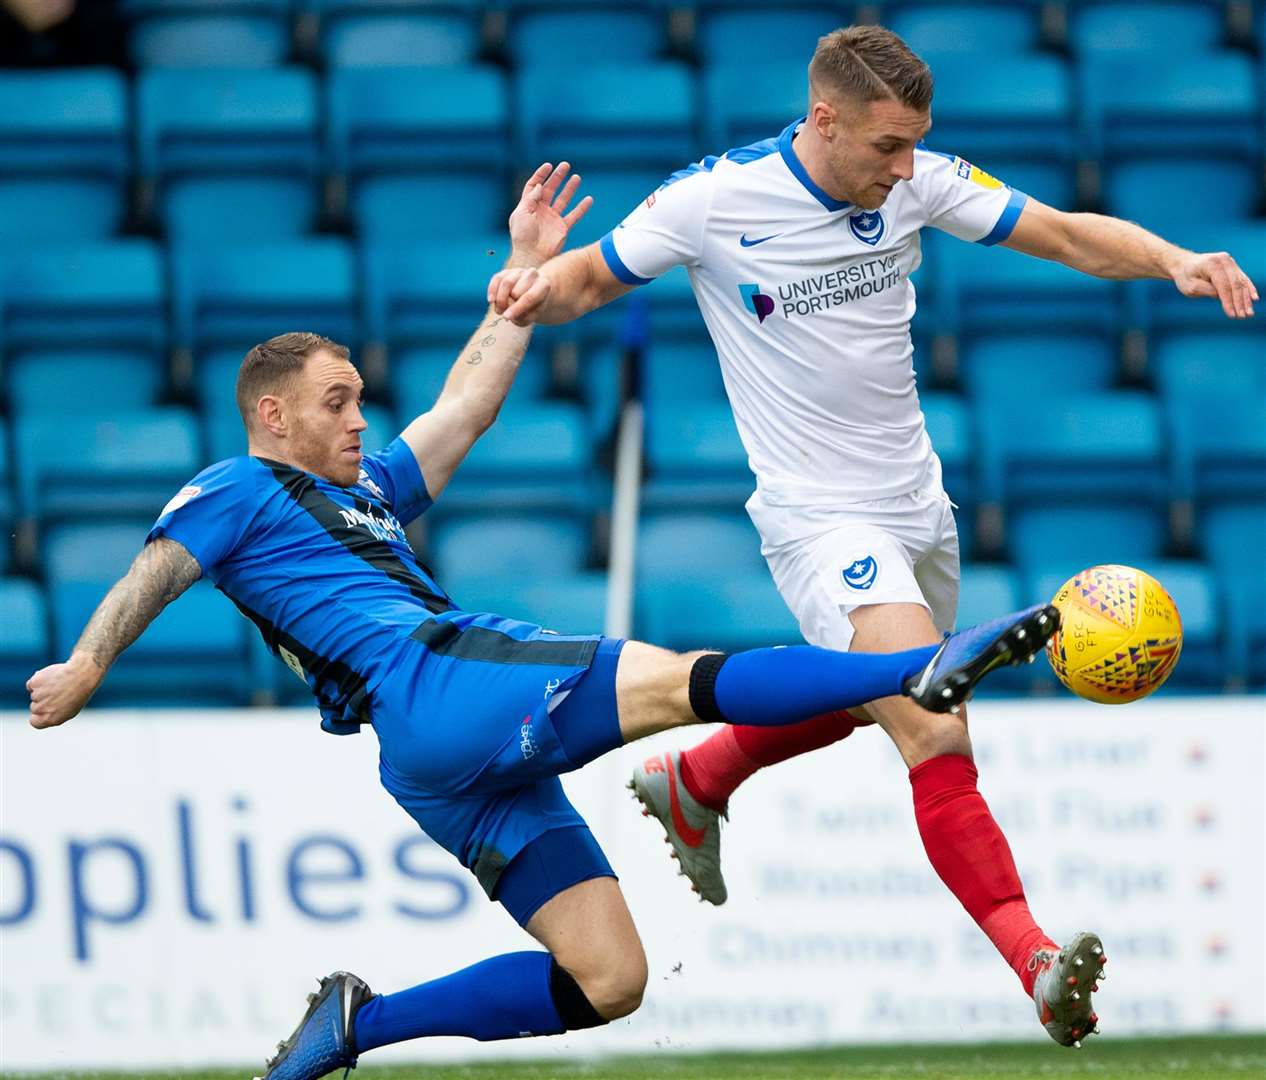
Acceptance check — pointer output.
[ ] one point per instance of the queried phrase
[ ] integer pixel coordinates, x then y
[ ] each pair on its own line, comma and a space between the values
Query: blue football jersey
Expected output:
325, 572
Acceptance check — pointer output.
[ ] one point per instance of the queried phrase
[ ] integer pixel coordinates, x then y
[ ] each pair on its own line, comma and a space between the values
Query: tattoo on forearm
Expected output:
161, 572
475, 357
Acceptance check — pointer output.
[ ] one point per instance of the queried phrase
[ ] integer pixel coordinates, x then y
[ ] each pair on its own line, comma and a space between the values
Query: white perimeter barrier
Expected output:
171, 883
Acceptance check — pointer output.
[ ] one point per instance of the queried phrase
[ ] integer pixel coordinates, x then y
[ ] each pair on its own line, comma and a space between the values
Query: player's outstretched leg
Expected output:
1061, 991
942, 684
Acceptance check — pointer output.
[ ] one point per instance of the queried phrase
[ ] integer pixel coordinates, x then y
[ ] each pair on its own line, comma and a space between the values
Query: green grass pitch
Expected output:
1203, 1058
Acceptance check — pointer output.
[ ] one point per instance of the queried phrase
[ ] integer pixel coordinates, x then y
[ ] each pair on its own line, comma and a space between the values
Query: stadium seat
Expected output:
1164, 30
1013, 117
1160, 129
1015, 370
440, 35
537, 456
1157, 308
1108, 445
509, 545
572, 604
124, 464
1234, 535
97, 295
694, 457
680, 373
235, 152
997, 290
756, 33
950, 429
180, 39
1066, 539
436, 207
425, 295
7, 504
24, 645
64, 155
1218, 446
615, 30
983, 29
77, 383
616, 194
642, 113
234, 297
746, 104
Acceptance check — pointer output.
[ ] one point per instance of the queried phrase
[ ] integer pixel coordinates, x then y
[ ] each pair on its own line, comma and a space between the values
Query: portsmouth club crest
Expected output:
867, 226
861, 573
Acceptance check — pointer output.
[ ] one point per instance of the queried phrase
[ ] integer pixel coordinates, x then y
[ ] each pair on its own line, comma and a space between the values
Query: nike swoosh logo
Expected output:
690, 836
745, 242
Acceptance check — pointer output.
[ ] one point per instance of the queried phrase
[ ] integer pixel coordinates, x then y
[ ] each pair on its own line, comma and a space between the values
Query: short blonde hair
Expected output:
869, 63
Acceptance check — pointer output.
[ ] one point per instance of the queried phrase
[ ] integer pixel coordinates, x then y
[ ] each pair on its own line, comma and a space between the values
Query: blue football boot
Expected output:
967, 656
323, 1040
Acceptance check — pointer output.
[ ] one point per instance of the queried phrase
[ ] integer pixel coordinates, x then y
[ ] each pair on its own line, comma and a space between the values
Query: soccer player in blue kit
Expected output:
476, 715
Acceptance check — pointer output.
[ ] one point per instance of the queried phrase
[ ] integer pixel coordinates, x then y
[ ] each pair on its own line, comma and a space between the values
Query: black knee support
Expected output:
703, 688
574, 1009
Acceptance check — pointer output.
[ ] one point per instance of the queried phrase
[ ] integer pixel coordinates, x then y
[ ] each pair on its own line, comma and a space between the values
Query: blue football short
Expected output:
472, 748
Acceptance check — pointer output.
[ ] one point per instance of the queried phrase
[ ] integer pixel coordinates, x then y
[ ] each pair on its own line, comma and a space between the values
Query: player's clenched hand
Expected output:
59, 691
539, 224
517, 293
1217, 274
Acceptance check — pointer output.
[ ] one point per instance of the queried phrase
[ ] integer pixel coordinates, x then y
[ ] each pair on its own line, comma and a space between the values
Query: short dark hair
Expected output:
870, 63
271, 365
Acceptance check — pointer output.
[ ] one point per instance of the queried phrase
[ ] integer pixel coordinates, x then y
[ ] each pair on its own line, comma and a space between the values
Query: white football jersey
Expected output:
808, 300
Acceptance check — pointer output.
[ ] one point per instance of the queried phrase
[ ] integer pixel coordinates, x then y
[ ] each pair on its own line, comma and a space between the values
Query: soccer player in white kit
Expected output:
799, 249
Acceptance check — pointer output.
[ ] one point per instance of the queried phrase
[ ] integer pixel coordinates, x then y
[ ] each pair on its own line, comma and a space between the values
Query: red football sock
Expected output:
969, 852
713, 769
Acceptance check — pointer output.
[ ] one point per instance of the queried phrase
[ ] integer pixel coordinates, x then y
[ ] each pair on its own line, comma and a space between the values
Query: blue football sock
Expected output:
768, 687
504, 997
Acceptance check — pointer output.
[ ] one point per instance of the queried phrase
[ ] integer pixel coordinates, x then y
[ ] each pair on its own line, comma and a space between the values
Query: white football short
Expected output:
826, 562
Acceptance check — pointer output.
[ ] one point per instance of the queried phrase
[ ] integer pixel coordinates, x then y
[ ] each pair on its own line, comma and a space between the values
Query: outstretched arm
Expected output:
1108, 247
160, 573
480, 379
565, 288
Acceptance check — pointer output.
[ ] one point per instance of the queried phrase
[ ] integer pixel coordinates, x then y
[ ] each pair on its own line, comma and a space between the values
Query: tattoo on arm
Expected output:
486, 342
160, 573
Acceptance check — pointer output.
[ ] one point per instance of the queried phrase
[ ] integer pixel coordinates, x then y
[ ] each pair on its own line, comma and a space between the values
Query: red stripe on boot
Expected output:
969, 852
713, 770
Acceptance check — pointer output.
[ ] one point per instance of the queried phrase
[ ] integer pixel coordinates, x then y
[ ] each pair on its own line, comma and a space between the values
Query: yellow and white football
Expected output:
1120, 634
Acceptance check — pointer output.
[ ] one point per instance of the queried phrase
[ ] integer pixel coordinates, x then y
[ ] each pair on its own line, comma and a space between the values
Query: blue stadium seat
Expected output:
432, 207
537, 456
744, 104
994, 29
614, 30
23, 639
1070, 538
432, 37
382, 427
1013, 117
1015, 370
997, 290
236, 296
1158, 308
1160, 127
235, 153
180, 39
7, 508
64, 155
1107, 445
678, 374
509, 545
214, 386
98, 295
80, 382
616, 194
628, 113
701, 583
417, 377
1218, 446
671, 310
123, 464
425, 295
949, 427
223, 436
1234, 536
756, 33
1166, 30
1223, 364
573, 604
695, 458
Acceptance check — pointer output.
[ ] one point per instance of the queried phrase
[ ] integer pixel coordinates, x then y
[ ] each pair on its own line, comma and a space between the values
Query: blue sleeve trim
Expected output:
1006, 223
616, 264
